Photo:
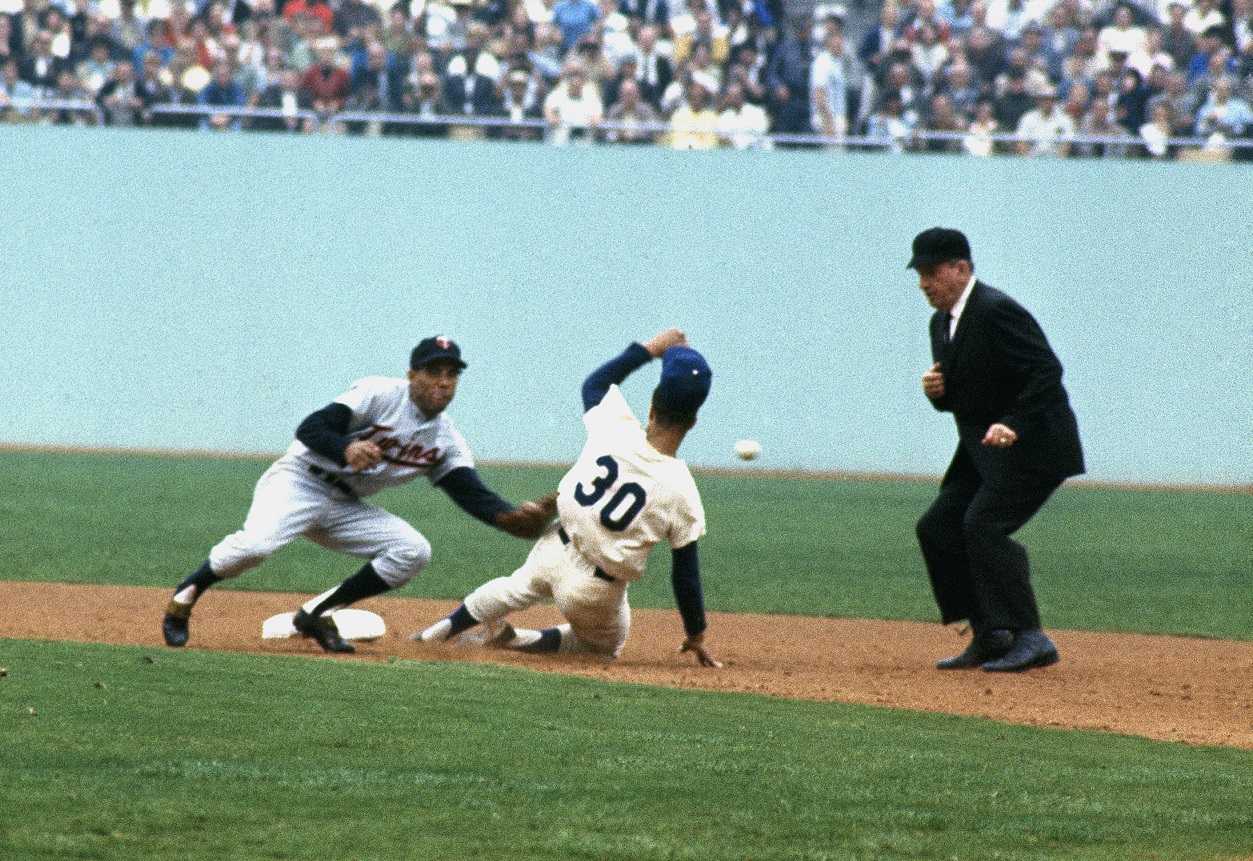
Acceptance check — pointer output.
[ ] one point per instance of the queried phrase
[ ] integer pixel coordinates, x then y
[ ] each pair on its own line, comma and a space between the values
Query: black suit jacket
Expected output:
999, 367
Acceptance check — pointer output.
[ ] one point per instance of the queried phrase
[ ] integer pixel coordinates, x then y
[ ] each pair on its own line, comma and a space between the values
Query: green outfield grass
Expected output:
124, 753
1162, 561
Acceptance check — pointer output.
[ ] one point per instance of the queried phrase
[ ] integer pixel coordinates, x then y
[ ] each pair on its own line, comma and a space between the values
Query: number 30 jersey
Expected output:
622, 496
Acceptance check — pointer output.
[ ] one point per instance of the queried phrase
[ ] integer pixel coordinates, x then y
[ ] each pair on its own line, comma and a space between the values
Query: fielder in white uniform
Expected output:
381, 433
627, 492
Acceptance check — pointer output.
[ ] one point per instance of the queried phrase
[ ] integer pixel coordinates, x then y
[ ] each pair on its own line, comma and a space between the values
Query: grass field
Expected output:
120, 753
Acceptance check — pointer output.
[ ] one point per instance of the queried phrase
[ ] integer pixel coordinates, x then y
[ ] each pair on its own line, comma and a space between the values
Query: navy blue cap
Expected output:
439, 348
685, 379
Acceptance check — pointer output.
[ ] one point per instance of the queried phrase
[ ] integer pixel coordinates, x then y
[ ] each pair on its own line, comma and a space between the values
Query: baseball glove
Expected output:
530, 519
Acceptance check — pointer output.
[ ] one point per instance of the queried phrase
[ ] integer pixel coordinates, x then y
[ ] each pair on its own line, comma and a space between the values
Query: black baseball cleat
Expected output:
174, 626
984, 646
1031, 649
322, 629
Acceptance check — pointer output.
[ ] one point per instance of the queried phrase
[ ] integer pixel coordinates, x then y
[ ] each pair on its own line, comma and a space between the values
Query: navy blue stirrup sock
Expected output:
461, 620
549, 641
202, 578
366, 583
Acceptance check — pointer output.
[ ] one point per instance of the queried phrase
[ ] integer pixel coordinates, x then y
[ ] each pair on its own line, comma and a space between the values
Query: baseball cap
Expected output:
938, 245
685, 379
435, 349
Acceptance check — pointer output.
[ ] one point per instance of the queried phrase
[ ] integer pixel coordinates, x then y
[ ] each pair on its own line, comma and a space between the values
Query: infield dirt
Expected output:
1177, 689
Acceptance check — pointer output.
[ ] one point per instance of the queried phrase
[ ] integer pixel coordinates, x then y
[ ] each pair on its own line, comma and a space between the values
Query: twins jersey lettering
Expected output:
622, 496
412, 444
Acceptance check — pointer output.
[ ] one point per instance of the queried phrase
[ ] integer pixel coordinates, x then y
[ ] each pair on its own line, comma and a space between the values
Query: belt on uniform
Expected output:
332, 479
565, 539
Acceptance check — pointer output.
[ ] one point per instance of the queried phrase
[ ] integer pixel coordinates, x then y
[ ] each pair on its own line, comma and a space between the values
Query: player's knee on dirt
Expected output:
403, 561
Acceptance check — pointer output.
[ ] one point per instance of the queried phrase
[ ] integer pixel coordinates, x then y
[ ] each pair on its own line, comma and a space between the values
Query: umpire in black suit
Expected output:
1018, 441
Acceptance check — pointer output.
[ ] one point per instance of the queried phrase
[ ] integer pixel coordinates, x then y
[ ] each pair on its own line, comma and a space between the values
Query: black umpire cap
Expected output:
939, 245
437, 349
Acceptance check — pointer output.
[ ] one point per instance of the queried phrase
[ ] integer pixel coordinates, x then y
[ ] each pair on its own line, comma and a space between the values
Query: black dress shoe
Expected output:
984, 646
322, 629
1031, 649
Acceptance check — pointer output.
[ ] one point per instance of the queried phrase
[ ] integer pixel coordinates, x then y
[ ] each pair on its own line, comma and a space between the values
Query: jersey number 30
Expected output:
625, 503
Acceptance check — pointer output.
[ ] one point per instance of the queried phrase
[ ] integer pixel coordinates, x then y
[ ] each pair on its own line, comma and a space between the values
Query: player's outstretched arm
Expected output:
621, 366
465, 487
685, 580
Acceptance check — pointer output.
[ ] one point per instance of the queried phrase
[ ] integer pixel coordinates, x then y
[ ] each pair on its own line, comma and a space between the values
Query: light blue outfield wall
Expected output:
192, 291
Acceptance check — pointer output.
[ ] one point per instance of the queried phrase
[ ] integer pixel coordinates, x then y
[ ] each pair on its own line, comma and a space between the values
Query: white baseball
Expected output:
747, 449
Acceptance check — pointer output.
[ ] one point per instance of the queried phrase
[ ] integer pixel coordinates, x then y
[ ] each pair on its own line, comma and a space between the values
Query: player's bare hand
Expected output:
697, 645
362, 454
662, 341
1000, 436
933, 382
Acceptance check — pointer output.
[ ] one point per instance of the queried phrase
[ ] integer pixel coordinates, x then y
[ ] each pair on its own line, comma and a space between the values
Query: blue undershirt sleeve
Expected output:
326, 431
612, 373
685, 578
464, 486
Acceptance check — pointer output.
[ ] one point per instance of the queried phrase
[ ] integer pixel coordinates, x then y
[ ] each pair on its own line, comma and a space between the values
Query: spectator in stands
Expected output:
942, 118
377, 87
1099, 122
960, 88
929, 55
787, 79
1058, 40
654, 69
651, 13
978, 141
575, 19
353, 19
742, 124
1151, 55
1157, 132
573, 108
705, 31
889, 127
470, 78
1122, 34
694, 124
633, 114
17, 97
1224, 114
877, 41
1078, 97
326, 84
121, 102
1203, 17
986, 55
285, 95
521, 102
748, 70
41, 68
1177, 40
97, 68
1131, 102
829, 82
1045, 130
1014, 103
222, 91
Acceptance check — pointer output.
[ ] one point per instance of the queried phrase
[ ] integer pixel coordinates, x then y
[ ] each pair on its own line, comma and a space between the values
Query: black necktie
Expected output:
948, 328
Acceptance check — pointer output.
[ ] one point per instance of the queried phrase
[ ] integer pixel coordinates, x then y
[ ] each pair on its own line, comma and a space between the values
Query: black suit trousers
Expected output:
978, 573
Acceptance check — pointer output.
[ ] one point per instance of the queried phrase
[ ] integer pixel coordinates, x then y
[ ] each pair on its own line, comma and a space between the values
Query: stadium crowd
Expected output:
1096, 78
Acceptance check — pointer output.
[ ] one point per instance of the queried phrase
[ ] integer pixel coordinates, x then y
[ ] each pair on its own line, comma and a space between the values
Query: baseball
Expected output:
747, 449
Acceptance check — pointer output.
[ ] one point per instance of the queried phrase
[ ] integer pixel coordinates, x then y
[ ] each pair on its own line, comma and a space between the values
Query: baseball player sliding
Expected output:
381, 433
627, 491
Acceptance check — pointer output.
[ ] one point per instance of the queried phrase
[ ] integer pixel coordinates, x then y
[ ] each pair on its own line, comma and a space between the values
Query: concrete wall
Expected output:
197, 291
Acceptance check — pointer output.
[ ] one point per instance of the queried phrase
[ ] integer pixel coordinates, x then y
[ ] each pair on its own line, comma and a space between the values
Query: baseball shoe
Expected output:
984, 646
1031, 649
174, 626
501, 637
322, 629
